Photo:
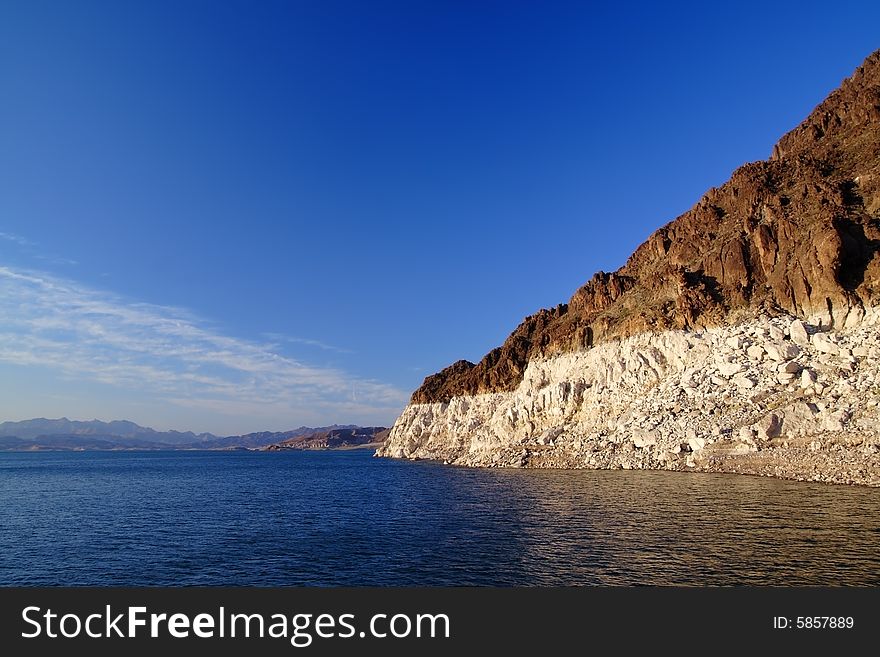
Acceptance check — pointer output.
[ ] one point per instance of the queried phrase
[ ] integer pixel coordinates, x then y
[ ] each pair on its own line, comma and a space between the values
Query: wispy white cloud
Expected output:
55, 260
17, 239
87, 334
281, 338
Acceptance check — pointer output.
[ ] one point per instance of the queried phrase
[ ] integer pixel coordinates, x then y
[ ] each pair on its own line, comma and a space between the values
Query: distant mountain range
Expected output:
64, 434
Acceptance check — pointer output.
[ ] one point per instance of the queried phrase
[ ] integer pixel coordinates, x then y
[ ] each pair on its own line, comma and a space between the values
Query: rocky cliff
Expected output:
794, 237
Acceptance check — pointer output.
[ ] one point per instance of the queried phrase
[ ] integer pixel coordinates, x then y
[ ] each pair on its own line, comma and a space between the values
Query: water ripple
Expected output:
346, 519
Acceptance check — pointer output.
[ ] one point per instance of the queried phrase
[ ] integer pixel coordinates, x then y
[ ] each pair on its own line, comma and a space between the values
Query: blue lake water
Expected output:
348, 519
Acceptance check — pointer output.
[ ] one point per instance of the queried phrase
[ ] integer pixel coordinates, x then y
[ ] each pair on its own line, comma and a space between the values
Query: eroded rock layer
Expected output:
741, 337
796, 234
771, 396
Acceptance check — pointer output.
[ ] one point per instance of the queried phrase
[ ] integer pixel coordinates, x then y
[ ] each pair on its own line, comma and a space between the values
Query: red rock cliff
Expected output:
798, 233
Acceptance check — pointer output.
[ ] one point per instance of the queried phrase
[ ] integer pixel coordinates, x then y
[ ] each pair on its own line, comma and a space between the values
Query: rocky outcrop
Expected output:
795, 234
780, 261
334, 439
772, 396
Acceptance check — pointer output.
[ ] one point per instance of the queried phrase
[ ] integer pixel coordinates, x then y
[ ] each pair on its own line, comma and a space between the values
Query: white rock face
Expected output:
664, 400
798, 332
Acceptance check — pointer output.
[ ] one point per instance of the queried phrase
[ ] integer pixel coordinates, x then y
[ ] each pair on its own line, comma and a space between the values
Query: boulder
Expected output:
729, 369
755, 352
798, 419
808, 378
797, 331
823, 344
735, 342
791, 367
783, 351
642, 438
768, 427
696, 444
743, 382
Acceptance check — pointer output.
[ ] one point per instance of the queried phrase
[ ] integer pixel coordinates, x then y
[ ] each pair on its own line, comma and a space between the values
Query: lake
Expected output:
348, 519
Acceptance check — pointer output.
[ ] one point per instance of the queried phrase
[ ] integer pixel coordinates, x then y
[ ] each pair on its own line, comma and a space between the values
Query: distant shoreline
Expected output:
343, 448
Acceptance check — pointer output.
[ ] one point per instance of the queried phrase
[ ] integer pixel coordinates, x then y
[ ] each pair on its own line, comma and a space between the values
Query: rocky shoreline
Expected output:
333, 439
711, 348
772, 396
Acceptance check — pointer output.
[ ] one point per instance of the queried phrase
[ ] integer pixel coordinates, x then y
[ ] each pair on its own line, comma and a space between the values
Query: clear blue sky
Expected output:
237, 216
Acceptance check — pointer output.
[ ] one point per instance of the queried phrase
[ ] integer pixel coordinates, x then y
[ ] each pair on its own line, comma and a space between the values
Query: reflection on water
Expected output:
633, 528
342, 519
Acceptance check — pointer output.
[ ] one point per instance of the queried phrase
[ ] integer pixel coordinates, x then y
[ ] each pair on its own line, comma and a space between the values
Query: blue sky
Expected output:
243, 216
